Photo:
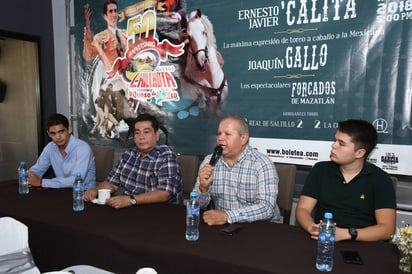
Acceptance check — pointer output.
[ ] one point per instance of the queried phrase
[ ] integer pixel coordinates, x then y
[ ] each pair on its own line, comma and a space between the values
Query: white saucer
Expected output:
97, 202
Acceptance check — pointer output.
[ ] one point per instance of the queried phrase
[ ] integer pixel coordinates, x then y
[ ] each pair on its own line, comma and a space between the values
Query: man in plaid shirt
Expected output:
243, 184
149, 172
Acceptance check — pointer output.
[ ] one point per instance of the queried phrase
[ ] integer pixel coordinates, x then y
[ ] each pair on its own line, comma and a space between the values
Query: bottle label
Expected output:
23, 174
193, 211
326, 237
78, 188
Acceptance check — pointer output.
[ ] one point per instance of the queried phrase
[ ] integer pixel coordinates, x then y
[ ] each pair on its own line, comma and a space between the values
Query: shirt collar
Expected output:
151, 155
113, 30
70, 145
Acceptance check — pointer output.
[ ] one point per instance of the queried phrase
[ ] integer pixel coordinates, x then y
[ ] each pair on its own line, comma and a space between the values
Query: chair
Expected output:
189, 165
84, 269
15, 254
103, 157
286, 187
395, 182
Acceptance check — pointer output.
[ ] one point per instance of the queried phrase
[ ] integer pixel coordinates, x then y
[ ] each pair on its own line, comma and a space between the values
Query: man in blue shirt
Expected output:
148, 172
66, 154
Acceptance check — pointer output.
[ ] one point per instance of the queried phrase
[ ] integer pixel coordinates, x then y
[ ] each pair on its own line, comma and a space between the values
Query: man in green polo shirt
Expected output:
360, 195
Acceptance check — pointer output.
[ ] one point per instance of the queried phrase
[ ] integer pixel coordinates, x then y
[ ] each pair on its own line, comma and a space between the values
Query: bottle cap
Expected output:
22, 162
328, 215
78, 174
193, 194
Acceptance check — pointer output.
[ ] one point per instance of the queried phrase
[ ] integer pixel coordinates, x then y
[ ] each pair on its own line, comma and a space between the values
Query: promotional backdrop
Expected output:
293, 69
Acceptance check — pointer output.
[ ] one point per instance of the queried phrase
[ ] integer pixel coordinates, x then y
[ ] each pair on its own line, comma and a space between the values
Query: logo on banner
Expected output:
390, 161
140, 67
381, 125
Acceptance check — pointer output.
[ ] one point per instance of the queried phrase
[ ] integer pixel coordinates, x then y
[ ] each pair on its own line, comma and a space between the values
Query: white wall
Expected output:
61, 57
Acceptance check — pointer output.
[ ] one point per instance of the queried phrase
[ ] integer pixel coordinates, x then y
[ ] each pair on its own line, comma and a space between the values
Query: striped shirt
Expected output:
158, 170
247, 191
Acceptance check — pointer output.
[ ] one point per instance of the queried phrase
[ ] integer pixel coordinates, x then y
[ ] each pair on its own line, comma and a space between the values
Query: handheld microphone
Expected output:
216, 155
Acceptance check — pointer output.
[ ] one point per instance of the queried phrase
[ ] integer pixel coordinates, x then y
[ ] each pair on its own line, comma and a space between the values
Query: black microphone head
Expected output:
216, 155
218, 150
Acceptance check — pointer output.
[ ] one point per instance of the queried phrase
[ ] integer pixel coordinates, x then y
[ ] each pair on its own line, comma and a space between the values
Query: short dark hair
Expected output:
362, 133
57, 119
147, 117
108, 2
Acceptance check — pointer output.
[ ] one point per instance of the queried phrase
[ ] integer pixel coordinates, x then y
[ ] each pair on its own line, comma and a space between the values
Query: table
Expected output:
124, 240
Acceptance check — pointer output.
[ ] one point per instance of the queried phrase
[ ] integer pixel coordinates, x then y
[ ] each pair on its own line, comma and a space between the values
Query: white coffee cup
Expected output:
146, 270
103, 195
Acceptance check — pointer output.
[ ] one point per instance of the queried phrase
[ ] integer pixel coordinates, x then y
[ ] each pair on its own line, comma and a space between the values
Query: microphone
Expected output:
216, 155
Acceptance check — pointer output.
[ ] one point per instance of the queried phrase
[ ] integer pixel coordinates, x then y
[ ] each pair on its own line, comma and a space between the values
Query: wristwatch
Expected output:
133, 200
353, 233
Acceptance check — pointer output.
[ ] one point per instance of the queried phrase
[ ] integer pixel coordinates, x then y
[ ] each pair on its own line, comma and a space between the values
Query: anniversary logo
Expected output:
295, 68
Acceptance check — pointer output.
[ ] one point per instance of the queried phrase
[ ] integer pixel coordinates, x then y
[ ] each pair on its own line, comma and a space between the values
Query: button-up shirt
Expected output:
158, 170
247, 191
79, 158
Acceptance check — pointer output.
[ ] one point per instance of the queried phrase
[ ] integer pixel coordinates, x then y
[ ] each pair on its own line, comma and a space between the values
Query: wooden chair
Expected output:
286, 187
103, 158
189, 165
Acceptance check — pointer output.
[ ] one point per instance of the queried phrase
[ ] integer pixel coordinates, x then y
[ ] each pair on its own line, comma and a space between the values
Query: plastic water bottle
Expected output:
192, 218
23, 178
78, 193
326, 244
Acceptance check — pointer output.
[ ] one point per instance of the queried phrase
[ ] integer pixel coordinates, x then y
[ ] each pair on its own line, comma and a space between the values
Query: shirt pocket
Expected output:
152, 181
247, 190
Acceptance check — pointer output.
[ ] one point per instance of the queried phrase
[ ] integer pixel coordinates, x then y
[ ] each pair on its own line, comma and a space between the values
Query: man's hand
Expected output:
119, 201
215, 217
90, 194
33, 179
205, 177
313, 230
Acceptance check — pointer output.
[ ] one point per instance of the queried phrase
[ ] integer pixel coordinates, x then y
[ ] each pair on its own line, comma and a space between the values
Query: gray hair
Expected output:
243, 126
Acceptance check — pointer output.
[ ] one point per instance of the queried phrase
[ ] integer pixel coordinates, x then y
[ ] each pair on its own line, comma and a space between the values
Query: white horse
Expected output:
204, 80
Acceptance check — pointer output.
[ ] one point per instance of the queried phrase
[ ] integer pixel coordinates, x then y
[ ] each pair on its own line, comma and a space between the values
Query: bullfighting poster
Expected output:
293, 69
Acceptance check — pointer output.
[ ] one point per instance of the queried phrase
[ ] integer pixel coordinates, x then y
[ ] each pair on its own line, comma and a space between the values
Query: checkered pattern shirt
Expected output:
247, 191
158, 170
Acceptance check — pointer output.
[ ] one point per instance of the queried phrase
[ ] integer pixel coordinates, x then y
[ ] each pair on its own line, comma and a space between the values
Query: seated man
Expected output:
67, 155
360, 195
243, 185
148, 172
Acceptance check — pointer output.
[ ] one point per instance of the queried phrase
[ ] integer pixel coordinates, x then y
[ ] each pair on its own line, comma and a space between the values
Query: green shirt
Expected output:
353, 204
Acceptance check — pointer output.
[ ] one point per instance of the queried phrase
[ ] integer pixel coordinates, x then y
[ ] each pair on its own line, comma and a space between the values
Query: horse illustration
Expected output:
204, 80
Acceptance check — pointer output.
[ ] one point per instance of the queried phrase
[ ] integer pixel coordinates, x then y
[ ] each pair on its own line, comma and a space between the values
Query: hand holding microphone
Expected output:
206, 172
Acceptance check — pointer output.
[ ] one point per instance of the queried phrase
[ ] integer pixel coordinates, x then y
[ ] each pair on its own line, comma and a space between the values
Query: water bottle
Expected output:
23, 178
192, 218
78, 193
326, 243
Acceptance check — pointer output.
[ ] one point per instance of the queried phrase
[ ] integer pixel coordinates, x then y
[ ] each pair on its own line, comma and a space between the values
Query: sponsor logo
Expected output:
381, 125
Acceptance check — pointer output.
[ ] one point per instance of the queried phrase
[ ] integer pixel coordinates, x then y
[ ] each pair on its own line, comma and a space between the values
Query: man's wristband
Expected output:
353, 233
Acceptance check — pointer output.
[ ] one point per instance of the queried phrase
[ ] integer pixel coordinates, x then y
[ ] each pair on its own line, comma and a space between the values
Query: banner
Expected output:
293, 69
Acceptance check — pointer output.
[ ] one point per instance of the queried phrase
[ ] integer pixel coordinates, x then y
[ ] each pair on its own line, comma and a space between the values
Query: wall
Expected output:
32, 20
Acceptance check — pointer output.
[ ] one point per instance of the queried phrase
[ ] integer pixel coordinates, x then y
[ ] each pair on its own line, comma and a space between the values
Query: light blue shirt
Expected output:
247, 191
79, 159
